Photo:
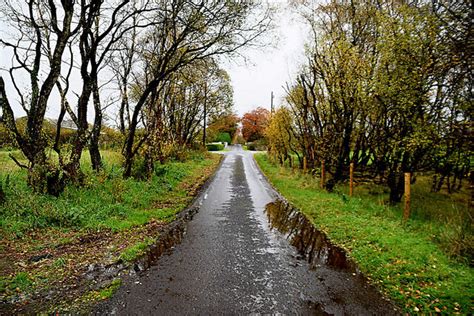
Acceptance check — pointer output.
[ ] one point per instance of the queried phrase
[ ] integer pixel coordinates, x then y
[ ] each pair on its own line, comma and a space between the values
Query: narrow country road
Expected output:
230, 262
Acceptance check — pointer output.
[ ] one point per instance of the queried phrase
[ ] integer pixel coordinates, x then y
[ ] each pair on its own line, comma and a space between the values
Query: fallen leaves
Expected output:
55, 268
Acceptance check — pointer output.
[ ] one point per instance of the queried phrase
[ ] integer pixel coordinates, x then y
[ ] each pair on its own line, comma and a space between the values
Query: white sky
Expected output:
269, 69
265, 70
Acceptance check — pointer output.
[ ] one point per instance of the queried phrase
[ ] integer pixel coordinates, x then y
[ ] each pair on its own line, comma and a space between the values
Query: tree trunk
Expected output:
94, 150
127, 164
128, 151
205, 116
343, 155
149, 164
448, 183
396, 184
439, 183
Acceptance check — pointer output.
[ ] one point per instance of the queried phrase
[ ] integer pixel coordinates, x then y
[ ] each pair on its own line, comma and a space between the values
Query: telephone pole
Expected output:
271, 102
205, 114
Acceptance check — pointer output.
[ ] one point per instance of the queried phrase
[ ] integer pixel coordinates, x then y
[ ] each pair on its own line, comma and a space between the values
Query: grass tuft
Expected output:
135, 251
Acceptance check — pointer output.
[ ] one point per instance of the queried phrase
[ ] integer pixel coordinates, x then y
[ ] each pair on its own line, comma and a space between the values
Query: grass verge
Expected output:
47, 242
402, 259
84, 304
136, 250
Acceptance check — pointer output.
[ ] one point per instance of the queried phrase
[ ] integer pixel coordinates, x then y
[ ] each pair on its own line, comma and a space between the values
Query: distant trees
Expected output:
183, 32
162, 54
192, 95
383, 88
254, 124
226, 123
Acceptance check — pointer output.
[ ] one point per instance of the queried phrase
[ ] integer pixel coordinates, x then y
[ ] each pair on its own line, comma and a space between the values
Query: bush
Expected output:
110, 138
214, 147
224, 138
240, 140
260, 145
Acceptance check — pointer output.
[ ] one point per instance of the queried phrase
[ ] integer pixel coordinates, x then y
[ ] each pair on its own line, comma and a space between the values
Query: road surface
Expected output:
230, 262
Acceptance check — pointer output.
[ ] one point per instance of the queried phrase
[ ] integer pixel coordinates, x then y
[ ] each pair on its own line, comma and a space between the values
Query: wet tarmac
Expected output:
245, 252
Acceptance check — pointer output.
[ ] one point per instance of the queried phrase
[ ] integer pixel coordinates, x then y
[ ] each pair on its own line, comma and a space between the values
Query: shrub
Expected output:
214, 147
260, 145
6, 138
224, 138
240, 140
111, 138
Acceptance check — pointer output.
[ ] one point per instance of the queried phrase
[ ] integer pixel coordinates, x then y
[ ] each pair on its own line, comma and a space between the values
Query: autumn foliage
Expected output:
254, 124
384, 88
224, 124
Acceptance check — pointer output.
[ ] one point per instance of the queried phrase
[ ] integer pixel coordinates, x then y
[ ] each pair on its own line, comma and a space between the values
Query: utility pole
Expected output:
271, 101
205, 115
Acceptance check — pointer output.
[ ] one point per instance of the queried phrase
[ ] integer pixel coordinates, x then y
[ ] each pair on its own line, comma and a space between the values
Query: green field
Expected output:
423, 265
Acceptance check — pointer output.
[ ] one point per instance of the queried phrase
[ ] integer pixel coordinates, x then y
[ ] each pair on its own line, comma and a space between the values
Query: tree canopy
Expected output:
383, 87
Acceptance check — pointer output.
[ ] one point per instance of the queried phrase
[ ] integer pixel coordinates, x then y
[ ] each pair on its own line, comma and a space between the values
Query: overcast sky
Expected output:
266, 69
269, 69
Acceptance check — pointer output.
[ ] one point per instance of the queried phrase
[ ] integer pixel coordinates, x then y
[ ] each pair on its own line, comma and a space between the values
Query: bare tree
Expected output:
28, 57
102, 26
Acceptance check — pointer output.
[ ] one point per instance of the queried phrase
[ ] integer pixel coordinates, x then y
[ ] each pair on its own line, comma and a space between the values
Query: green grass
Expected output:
110, 290
135, 251
20, 282
107, 201
85, 304
407, 261
101, 294
60, 262
107, 219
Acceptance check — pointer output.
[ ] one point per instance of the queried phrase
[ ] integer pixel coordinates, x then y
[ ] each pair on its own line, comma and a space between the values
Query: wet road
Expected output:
231, 262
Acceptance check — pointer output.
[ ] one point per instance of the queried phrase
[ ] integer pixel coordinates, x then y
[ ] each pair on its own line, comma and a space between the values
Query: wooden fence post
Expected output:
406, 210
305, 165
323, 174
351, 179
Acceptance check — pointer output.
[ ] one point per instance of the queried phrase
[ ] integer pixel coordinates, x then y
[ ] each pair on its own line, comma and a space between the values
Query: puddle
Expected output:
169, 236
312, 244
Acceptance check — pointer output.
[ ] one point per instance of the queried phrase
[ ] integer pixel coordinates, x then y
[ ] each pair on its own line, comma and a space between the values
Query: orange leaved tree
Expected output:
254, 124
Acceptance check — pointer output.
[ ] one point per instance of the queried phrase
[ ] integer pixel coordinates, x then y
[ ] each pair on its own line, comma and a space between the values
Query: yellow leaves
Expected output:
279, 131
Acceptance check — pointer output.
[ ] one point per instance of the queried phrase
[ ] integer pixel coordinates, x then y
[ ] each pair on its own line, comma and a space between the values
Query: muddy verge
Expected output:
100, 275
168, 237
